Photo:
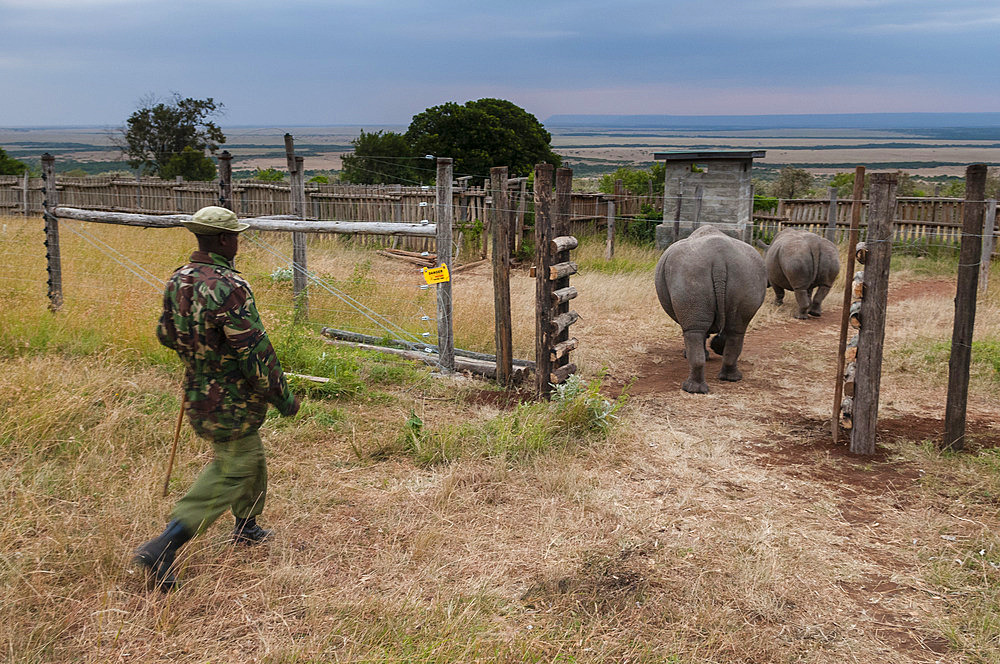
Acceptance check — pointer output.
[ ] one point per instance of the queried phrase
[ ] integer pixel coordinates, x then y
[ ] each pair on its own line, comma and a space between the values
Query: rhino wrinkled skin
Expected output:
805, 264
711, 283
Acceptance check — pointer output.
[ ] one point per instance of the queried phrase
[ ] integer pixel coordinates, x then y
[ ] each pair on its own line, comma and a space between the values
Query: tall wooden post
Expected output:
831, 216
543, 261
845, 313
696, 220
868, 374
609, 249
226, 180
965, 307
989, 229
25, 192
445, 214
502, 216
297, 199
52, 256
522, 197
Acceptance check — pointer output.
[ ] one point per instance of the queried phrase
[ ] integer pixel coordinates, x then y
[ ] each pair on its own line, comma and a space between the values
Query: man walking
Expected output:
231, 375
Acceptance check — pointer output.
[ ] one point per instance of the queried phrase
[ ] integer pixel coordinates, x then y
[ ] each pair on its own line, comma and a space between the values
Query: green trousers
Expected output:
236, 479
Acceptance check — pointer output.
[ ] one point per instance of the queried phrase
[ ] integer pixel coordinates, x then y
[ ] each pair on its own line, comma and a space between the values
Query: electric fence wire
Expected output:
360, 308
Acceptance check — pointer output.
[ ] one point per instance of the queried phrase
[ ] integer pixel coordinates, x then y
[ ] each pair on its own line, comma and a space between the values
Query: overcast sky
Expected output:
295, 62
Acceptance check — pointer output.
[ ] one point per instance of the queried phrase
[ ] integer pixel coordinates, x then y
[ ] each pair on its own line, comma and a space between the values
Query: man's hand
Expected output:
295, 407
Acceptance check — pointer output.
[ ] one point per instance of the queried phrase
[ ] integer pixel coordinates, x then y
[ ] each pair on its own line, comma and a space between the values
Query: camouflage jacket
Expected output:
210, 319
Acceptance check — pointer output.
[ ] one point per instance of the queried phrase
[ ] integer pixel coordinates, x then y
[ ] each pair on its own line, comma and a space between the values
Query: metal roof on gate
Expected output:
705, 155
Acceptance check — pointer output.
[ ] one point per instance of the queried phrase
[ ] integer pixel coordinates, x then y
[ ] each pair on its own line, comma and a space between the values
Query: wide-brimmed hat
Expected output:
213, 220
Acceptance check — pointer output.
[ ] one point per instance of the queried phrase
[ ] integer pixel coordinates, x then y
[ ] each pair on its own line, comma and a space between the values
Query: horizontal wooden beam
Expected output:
478, 367
562, 321
560, 270
563, 243
563, 348
563, 295
560, 375
357, 337
285, 223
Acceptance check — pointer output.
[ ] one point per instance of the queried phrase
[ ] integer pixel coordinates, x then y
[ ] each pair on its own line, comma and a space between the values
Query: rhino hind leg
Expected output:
734, 346
779, 295
816, 308
803, 300
694, 346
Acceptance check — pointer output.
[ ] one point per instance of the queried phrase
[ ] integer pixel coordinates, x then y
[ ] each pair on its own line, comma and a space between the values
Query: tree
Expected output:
157, 134
269, 175
189, 163
382, 157
792, 183
11, 166
481, 134
636, 182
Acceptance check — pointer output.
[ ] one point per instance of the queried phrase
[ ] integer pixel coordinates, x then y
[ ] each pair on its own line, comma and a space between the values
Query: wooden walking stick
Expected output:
173, 451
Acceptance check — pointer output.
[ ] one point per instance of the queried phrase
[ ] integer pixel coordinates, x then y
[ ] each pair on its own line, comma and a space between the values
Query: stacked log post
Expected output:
52, 255
297, 196
552, 271
842, 410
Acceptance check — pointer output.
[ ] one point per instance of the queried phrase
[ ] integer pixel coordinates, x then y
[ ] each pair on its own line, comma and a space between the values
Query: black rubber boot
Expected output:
248, 533
157, 555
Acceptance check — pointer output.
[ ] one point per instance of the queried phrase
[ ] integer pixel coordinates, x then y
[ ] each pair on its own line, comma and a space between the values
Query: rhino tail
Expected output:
719, 286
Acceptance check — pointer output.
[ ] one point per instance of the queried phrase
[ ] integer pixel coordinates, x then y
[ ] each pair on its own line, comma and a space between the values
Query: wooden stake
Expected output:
965, 307
445, 212
297, 196
226, 180
609, 250
831, 216
845, 313
502, 217
989, 226
173, 450
544, 232
868, 373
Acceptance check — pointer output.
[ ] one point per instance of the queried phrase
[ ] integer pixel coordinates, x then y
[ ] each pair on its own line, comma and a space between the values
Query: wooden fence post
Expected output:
989, 226
965, 307
24, 192
845, 314
297, 199
521, 202
226, 180
543, 288
609, 250
52, 256
868, 373
831, 217
445, 213
502, 215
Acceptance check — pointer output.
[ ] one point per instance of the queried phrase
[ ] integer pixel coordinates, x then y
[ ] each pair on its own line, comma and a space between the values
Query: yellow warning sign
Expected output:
436, 275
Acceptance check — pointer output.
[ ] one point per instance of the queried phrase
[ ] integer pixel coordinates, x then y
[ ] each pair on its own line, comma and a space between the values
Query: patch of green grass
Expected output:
932, 355
577, 415
924, 259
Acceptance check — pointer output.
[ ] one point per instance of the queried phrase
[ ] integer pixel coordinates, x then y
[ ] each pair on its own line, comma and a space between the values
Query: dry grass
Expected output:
713, 528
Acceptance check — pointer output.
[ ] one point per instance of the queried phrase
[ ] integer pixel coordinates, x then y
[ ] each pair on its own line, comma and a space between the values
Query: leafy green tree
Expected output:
11, 166
635, 181
190, 164
159, 132
269, 175
481, 134
792, 183
383, 157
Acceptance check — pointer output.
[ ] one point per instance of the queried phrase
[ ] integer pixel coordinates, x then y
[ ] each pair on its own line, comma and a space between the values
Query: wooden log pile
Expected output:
851, 354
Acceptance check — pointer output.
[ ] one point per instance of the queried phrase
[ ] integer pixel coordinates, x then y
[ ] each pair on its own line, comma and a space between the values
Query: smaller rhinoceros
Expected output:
801, 261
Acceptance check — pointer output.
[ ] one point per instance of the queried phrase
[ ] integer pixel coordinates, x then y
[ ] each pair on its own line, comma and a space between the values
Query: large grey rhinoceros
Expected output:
801, 261
711, 283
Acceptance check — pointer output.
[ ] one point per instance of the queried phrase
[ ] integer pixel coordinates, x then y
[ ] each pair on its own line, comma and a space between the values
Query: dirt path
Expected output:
858, 513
